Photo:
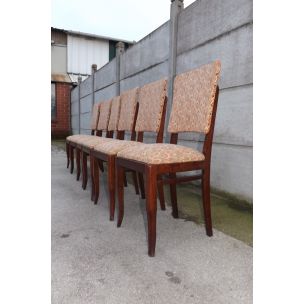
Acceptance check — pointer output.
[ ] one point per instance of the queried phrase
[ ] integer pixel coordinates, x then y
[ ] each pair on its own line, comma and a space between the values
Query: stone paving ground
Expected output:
95, 262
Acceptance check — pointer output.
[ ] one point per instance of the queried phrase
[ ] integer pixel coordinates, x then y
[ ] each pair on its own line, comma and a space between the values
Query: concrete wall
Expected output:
206, 30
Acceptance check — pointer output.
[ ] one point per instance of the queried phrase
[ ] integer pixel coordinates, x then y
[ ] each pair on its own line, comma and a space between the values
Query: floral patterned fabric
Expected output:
193, 99
161, 154
104, 115
128, 101
95, 116
113, 147
93, 141
76, 137
151, 100
114, 116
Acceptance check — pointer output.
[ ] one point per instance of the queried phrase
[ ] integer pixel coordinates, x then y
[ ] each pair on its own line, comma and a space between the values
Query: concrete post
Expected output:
176, 7
79, 82
120, 48
94, 69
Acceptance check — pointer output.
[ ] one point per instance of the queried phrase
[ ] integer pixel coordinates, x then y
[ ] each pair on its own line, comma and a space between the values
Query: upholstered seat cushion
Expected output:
161, 154
113, 147
93, 141
75, 138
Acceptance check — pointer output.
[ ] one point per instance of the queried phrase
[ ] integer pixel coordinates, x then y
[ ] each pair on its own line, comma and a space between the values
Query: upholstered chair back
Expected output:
95, 116
151, 99
104, 115
193, 99
114, 116
128, 101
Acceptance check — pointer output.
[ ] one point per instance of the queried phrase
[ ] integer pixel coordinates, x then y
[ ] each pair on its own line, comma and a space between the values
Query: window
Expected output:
53, 101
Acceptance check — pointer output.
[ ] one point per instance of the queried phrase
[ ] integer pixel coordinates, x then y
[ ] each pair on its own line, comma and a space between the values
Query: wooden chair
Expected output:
71, 141
150, 117
193, 110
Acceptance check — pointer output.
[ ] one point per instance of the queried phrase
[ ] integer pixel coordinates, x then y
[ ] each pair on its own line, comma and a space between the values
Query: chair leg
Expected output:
100, 165
96, 179
77, 163
92, 177
134, 176
173, 197
161, 195
206, 200
151, 207
72, 158
84, 170
141, 185
111, 185
67, 149
120, 191
125, 180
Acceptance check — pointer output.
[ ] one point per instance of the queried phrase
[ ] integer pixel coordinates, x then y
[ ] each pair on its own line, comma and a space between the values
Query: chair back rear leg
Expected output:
151, 207
134, 176
84, 170
67, 148
77, 163
111, 185
92, 177
96, 179
206, 200
161, 195
141, 185
72, 158
120, 192
173, 196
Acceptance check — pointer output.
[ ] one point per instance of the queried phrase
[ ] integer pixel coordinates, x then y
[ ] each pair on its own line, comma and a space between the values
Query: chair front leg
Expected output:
173, 197
77, 163
120, 173
151, 207
72, 158
206, 200
67, 150
111, 185
84, 170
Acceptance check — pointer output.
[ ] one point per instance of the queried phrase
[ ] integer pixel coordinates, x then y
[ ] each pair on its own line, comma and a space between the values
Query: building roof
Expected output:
76, 33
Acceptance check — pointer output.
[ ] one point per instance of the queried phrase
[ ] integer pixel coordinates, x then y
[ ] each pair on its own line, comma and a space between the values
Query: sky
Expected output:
124, 19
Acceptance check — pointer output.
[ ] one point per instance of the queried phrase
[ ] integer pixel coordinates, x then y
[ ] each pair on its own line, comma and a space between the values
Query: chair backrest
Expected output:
104, 115
94, 117
152, 99
128, 104
114, 116
193, 99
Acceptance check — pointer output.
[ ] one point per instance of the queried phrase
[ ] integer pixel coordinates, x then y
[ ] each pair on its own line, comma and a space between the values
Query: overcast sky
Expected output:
125, 19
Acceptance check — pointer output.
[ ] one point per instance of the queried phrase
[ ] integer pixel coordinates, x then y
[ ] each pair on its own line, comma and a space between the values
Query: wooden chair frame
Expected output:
95, 156
155, 179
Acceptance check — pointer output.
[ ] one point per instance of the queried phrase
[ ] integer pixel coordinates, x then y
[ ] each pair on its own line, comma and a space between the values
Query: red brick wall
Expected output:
61, 124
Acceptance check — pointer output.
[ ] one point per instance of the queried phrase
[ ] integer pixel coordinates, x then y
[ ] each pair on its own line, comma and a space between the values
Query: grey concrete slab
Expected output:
205, 20
74, 95
86, 104
95, 262
86, 87
106, 93
106, 75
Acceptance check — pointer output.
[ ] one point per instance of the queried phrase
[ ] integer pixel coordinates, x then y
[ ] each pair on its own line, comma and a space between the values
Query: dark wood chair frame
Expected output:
156, 176
95, 156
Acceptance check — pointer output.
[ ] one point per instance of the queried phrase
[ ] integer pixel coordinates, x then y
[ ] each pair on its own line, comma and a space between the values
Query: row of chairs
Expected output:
142, 110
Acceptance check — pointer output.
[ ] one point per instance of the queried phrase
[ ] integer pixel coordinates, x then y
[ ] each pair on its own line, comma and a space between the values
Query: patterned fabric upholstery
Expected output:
77, 137
104, 115
161, 154
193, 99
113, 147
92, 142
95, 116
128, 101
151, 100
114, 116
